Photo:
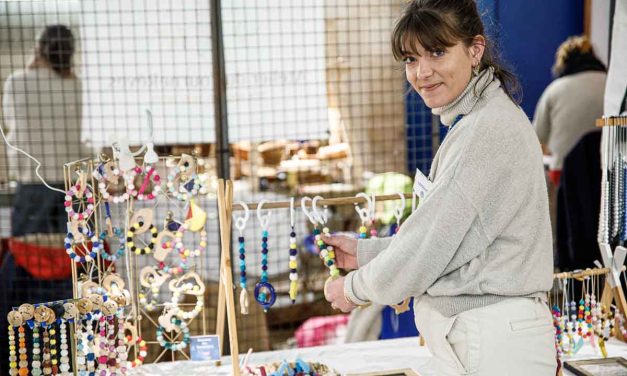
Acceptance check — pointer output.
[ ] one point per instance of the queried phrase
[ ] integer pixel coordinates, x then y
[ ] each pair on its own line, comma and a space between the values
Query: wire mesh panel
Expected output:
316, 105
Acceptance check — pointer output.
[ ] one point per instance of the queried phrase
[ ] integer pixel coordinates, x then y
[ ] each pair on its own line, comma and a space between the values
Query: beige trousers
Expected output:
513, 337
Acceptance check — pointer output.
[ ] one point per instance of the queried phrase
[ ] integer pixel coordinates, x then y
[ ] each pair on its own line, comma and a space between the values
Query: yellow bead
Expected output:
331, 254
362, 229
142, 343
203, 244
130, 234
54, 361
293, 264
142, 296
293, 245
320, 242
335, 272
13, 365
186, 253
12, 347
130, 244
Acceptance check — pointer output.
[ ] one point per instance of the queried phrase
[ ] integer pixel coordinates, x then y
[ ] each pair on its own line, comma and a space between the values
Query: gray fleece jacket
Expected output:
483, 233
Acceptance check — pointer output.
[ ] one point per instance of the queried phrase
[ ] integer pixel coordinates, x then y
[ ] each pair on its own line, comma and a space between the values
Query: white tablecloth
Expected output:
347, 358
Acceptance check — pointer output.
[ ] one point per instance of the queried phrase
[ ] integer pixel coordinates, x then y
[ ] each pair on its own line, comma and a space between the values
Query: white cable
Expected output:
34, 159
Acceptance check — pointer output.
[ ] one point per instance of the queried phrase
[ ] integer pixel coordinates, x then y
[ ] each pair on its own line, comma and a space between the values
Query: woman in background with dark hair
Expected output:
570, 105
476, 254
42, 116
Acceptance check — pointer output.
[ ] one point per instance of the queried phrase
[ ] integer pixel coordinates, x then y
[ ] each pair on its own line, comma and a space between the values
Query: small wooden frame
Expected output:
391, 372
597, 367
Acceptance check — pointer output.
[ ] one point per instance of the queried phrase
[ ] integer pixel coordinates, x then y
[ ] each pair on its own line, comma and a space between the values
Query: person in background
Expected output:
42, 116
476, 254
570, 105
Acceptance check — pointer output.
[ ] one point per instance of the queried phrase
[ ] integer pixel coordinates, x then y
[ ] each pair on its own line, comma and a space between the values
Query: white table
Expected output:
347, 358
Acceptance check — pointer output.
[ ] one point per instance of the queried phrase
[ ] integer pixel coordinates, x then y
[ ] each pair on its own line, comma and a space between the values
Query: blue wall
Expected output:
529, 32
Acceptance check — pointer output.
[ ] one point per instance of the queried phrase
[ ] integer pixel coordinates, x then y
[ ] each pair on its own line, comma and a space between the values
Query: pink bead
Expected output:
67, 203
157, 178
102, 359
80, 216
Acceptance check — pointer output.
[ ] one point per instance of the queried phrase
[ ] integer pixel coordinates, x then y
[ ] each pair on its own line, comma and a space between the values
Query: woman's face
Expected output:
440, 76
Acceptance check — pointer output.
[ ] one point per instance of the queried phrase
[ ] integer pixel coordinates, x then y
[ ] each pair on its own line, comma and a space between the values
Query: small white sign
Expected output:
422, 184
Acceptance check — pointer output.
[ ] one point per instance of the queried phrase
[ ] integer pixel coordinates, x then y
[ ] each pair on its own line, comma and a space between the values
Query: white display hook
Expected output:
364, 213
263, 221
322, 218
151, 156
303, 205
240, 222
400, 209
292, 211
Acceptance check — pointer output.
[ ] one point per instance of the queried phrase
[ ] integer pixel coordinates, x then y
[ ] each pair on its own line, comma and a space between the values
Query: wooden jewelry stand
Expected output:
612, 261
609, 294
226, 298
98, 268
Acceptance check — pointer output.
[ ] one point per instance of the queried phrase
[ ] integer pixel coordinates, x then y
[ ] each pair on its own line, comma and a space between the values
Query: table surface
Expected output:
346, 358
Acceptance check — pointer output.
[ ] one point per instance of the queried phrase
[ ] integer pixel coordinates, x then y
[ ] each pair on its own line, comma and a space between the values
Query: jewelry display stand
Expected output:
131, 263
226, 302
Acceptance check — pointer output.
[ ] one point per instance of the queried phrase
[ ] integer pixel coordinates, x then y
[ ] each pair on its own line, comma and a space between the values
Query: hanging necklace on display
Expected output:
373, 217
107, 175
86, 356
36, 364
264, 291
52, 333
112, 362
80, 191
293, 263
140, 223
327, 254
47, 363
185, 252
169, 323
78, 233
240, 225
118, 233
16, 320
164, 248
184, 182
179, 286
133, 339
149, 173
64, 353
151, 279
103, 353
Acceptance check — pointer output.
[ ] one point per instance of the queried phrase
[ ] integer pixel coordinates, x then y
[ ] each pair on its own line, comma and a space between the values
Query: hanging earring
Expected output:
293, 263
240, 224
475, 70
264, 291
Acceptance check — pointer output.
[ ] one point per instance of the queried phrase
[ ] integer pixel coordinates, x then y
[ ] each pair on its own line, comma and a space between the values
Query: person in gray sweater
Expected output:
477, 253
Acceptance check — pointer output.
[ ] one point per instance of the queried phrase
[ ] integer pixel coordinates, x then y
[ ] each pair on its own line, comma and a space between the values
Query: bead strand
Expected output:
36, 365
293, 264
47, 363
65, 354
52, 333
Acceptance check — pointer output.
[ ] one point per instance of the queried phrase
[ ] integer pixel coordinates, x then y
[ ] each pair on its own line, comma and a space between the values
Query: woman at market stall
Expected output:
477, 253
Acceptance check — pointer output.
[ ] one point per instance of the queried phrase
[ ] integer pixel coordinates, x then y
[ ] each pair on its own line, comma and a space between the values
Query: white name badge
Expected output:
422, 184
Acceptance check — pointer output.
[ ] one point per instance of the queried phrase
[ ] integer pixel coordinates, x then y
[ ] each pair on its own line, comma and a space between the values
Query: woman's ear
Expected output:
476, 49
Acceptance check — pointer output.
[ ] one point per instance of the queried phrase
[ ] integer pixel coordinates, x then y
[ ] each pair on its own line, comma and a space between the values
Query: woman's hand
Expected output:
345, 248
334, 293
